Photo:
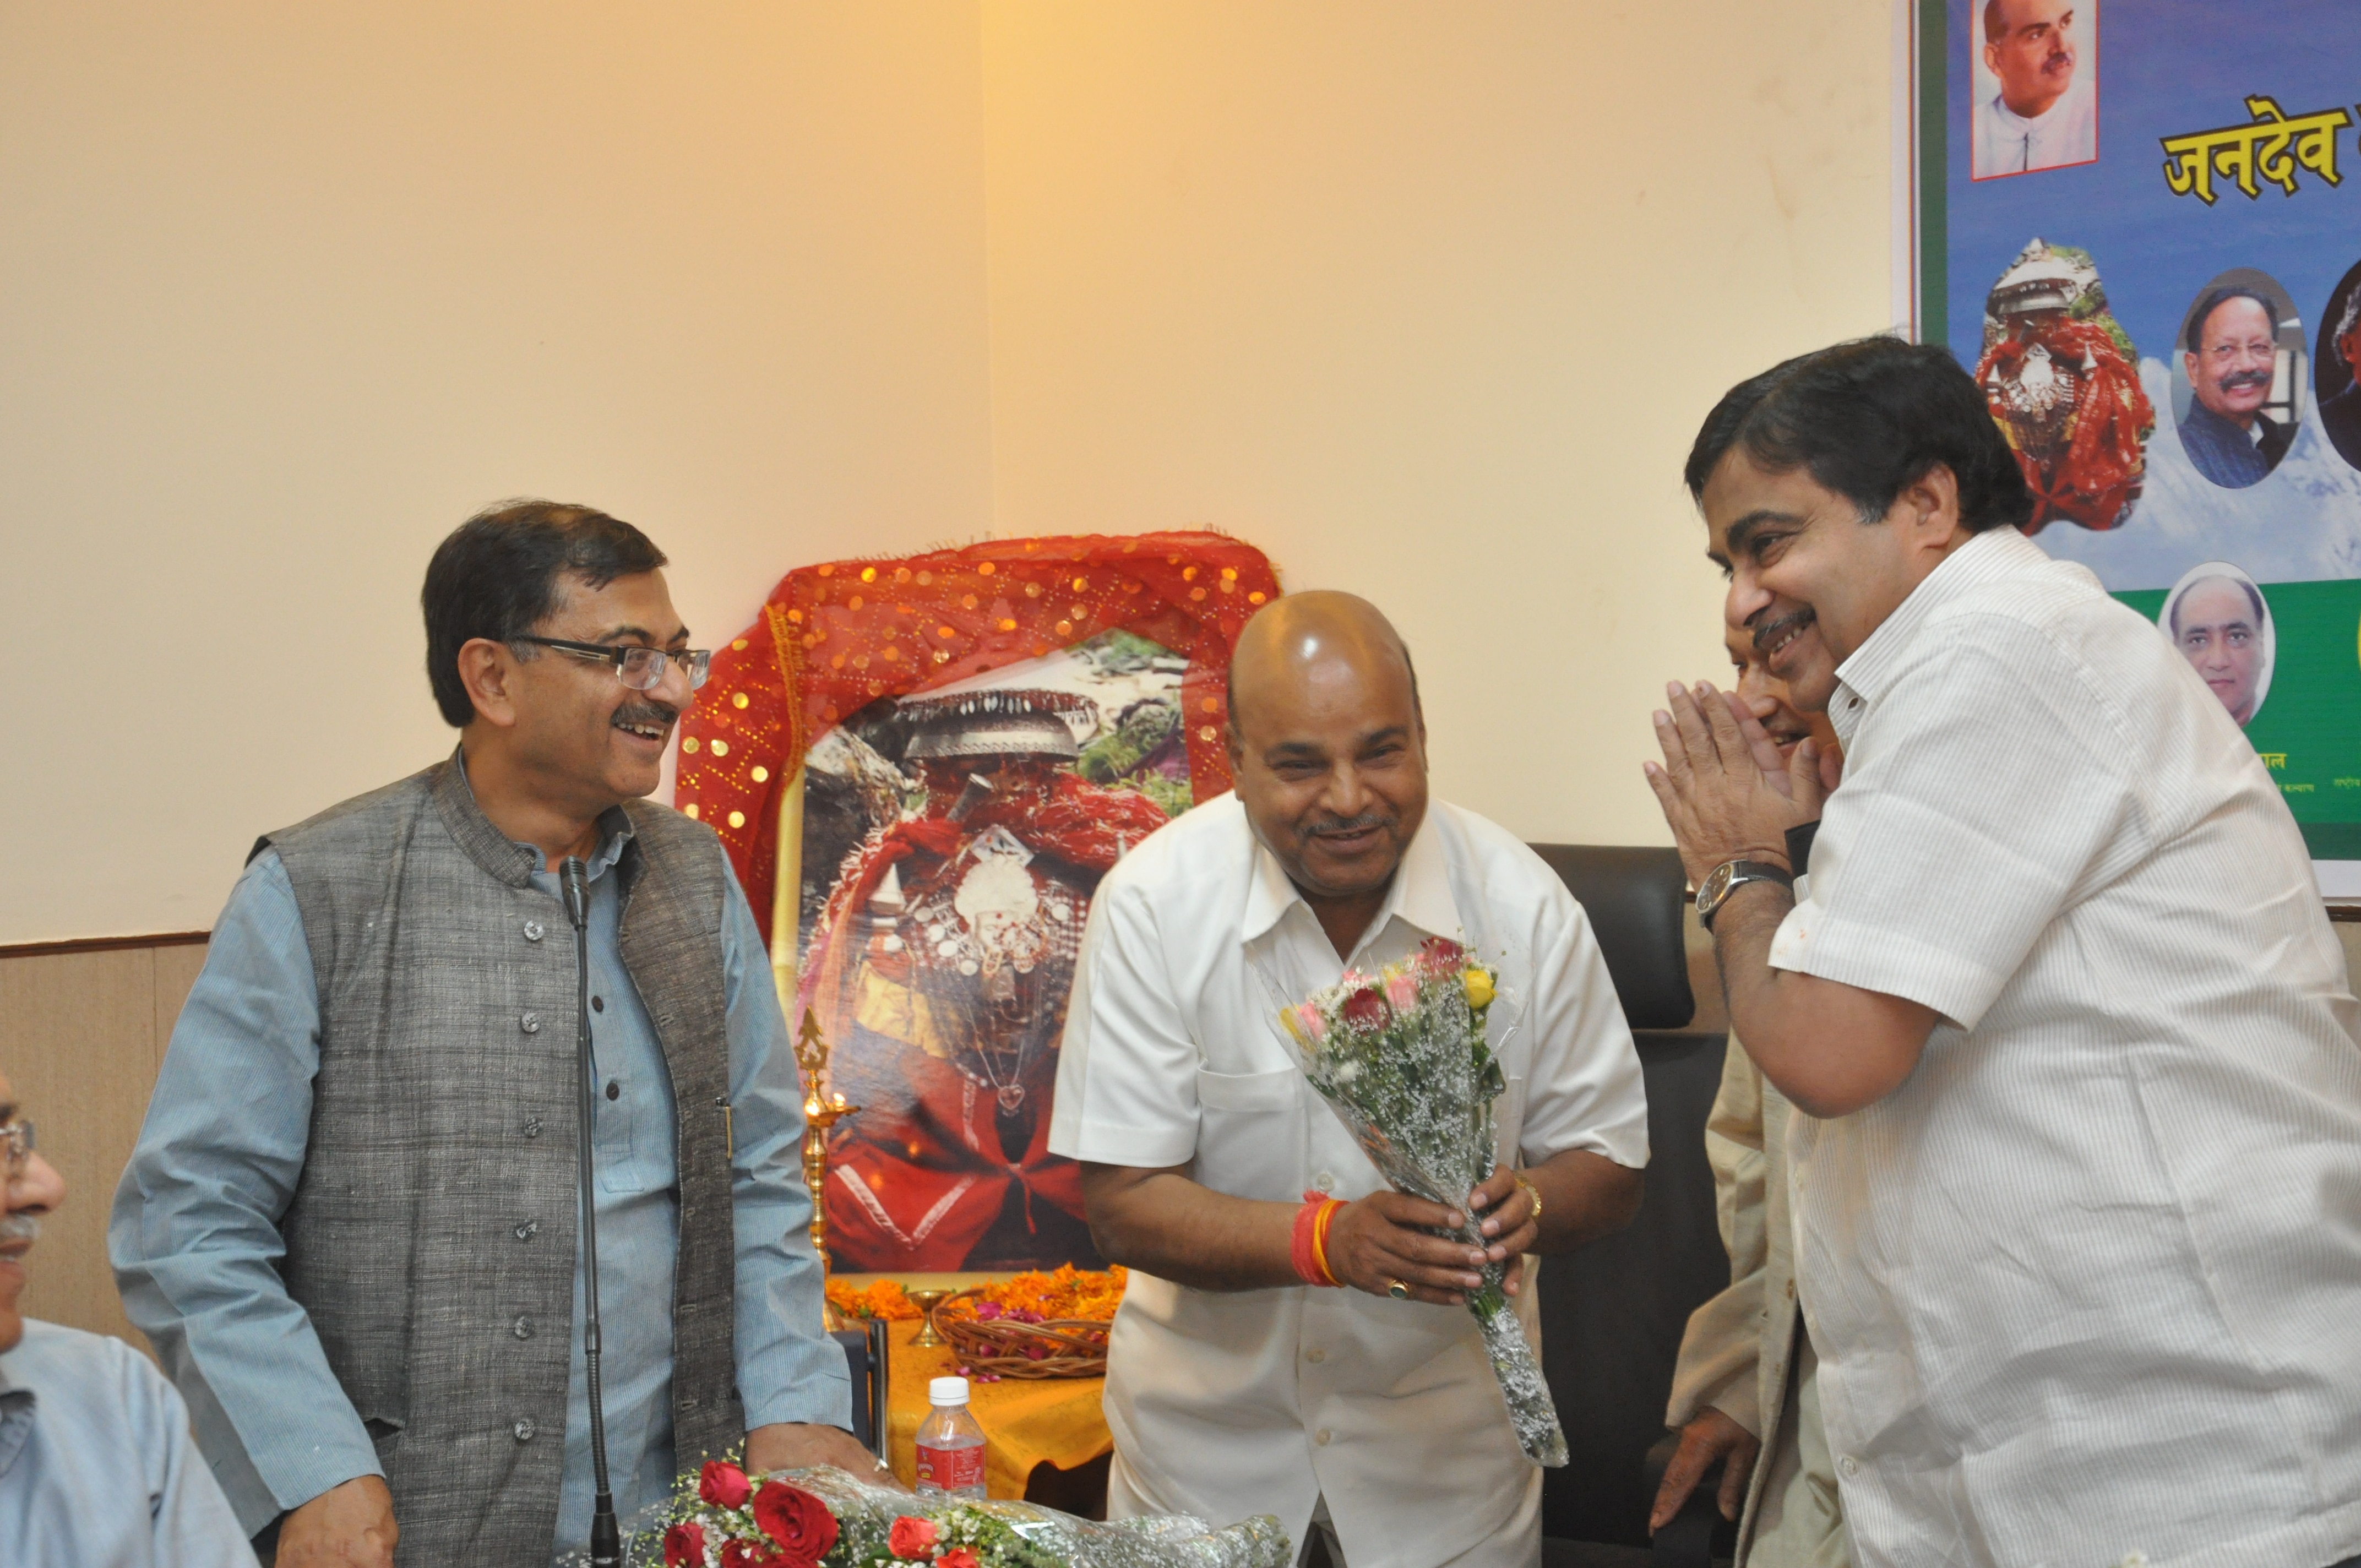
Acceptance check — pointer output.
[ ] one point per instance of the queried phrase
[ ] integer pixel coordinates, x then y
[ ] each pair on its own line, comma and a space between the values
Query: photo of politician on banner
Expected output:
921, 767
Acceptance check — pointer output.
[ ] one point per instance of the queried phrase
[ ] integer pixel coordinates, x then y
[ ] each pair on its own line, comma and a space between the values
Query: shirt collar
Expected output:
1862, 680
18, 1408
1420, 894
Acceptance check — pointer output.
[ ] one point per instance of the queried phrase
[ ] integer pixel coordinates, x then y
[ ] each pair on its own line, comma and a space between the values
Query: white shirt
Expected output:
2089, 1282
2009, 143
1265, 1401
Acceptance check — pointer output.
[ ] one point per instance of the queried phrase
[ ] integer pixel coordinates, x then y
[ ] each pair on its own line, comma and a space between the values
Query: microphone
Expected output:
606, 1536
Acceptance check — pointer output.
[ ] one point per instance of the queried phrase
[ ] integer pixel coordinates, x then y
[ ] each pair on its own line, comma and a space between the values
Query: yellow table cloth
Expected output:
1047, 1420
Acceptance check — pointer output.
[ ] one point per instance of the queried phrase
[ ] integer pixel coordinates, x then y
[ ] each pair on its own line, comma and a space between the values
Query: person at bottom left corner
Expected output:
96, 1465
351, 1222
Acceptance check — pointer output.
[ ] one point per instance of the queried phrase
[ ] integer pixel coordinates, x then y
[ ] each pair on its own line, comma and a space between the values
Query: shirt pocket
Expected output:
1250, 1134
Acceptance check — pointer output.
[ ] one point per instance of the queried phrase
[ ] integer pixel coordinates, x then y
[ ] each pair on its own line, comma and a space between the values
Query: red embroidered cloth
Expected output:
834, 637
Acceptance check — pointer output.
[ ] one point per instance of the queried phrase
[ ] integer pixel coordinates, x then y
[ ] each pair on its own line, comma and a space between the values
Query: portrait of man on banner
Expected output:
958, 747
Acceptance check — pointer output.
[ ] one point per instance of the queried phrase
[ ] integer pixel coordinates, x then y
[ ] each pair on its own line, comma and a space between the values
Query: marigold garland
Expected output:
1065, 1292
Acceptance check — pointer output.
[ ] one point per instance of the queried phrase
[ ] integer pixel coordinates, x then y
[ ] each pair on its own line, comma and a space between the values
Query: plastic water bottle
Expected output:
951, 1445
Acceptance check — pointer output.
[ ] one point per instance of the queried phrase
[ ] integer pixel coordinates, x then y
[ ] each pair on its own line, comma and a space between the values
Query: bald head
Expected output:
1329, 749
1316, 637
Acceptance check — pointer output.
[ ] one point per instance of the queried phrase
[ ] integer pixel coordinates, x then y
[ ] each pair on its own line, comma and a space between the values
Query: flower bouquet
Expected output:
1401, 1058
822, 1517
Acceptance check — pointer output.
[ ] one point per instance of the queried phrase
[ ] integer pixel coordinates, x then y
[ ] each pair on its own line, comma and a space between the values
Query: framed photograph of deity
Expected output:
921, 768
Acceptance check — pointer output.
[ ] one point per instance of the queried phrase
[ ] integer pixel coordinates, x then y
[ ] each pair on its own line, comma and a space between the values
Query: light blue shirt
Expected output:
96, 1466
195, 1242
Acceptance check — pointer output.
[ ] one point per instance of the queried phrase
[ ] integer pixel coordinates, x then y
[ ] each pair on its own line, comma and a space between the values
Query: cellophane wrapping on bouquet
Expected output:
880, 1526
1402, 1059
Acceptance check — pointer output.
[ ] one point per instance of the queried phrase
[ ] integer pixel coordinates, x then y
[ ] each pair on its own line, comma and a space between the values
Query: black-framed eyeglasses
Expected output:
642, 669
15, 1147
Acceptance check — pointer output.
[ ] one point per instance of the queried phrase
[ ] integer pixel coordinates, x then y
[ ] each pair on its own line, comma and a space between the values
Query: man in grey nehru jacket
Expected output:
350, 1225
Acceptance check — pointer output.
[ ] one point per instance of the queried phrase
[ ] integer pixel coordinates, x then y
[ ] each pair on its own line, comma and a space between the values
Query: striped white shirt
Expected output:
2088, 1285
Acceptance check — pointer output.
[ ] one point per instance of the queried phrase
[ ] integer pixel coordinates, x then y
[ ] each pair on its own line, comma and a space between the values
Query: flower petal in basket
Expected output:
1010, 1347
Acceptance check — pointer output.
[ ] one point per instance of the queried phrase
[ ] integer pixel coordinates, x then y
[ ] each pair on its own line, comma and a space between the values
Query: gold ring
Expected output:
1535, 1193
1398, 1288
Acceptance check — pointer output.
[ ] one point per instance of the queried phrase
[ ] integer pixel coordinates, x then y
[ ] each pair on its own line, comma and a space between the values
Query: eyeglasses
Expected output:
15, 1147
642, 669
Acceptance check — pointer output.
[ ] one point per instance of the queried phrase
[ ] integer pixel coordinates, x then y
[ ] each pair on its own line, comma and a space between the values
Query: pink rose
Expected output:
1315, 1024
723, 1485
1364, 1009
912, 1538
684, 1546
1402, 992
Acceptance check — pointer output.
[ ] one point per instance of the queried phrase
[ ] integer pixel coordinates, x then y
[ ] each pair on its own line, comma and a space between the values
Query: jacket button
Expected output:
532, 1127
530, 1022
527, 1230
1321, 1437
614, 1090
524, 1430
533, 931
522, 1328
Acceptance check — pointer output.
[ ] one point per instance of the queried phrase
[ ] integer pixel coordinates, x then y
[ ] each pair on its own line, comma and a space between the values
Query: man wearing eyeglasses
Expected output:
350, 1226
88, 1432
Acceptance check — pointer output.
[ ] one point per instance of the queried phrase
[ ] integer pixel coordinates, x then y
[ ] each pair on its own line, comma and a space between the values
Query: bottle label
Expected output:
950, 1468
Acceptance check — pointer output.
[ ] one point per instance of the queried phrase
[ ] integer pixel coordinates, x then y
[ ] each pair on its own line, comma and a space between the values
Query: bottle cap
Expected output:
947, 1391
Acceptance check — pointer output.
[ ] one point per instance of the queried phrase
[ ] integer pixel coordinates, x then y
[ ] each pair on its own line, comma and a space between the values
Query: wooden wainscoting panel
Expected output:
78, 1042
176, 971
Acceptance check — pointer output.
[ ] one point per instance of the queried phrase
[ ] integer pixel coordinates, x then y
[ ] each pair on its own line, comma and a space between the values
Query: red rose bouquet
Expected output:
723, 1517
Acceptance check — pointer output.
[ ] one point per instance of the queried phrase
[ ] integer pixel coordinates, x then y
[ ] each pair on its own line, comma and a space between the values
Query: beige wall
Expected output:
1428, 300
288, 289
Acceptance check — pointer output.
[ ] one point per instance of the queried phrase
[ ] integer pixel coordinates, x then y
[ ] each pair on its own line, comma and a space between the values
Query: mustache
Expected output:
2237, 378
1342, 825
1771, 632
20, 1228
663, 713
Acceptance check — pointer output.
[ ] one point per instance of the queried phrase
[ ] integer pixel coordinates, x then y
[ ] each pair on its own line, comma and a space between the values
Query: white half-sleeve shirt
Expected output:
2009, 143
2088, 1284
1229, 1404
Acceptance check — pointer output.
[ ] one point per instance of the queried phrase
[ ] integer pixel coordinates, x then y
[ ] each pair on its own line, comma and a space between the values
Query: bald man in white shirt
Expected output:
2077, 1168
1234, 1386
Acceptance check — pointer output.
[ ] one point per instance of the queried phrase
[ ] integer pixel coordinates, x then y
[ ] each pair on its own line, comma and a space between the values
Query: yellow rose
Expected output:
1479, 982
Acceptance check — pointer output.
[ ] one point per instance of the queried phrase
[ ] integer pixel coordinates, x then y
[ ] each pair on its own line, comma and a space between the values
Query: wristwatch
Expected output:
1727, 878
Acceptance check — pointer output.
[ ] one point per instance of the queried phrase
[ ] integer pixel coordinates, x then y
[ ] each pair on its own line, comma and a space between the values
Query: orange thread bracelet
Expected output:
1307, 1249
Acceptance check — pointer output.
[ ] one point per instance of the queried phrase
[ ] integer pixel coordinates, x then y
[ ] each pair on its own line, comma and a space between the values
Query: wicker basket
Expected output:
1064, 1347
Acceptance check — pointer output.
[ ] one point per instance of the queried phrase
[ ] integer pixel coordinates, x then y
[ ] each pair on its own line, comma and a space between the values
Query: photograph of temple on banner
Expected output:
952, 843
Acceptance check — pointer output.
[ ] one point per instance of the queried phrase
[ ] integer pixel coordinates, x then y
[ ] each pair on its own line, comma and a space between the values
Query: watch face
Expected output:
1717, 886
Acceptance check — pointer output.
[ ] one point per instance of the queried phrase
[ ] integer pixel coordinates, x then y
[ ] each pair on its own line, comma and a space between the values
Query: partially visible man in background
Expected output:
350, 1225
2340, 416
2232, 357
96, 1466
2043, 117
1746, 1386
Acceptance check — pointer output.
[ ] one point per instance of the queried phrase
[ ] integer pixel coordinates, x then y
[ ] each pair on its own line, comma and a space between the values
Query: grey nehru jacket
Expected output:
427, 1219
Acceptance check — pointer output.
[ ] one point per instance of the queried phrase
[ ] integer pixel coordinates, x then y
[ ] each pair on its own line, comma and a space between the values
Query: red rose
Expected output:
740, 1554
1365, 1008
912, 1538
724, 1484
685, 1546
799, 1521
958, 1557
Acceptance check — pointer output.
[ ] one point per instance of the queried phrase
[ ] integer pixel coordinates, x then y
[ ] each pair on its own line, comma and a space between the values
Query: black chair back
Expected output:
865, 1359
1634, 898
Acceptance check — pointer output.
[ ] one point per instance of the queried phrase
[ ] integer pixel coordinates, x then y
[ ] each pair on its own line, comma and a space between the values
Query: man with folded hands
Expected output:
2079, 1158
1237, 1382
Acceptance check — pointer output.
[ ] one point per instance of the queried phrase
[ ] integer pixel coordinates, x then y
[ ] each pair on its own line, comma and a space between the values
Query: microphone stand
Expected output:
605, 1539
